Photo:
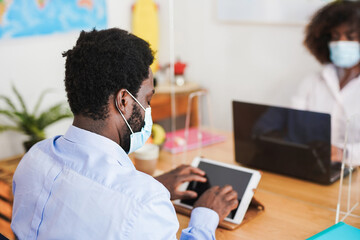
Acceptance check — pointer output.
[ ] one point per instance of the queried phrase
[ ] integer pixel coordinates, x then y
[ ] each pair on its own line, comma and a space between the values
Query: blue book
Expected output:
338, 231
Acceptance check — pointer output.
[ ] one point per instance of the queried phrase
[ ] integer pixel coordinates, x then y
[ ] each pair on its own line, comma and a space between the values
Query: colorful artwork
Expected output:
36, 17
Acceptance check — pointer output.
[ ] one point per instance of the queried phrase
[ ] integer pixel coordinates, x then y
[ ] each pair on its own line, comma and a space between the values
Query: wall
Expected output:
240, 61
33, 64
258, 63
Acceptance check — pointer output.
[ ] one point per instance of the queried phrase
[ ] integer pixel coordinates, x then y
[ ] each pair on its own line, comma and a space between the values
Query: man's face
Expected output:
136, 120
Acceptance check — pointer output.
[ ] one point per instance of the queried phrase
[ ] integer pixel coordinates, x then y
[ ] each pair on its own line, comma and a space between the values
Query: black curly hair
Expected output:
318, 31
99, 65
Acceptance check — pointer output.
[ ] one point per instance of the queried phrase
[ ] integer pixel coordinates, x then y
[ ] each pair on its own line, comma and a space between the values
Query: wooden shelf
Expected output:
161, 102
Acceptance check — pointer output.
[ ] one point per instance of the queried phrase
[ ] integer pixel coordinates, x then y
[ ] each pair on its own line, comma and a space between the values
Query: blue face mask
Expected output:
344, 54
138, 139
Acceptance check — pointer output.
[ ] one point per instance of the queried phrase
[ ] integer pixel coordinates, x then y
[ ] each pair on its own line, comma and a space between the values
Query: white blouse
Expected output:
321, 92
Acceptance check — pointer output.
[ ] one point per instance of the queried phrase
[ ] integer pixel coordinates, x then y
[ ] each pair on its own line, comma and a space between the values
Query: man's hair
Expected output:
99, 65
318, 31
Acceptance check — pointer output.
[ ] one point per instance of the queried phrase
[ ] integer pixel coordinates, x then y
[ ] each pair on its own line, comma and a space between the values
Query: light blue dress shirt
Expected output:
84, 186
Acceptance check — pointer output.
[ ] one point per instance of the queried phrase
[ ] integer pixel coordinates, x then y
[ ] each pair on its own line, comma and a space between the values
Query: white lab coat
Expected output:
321, 93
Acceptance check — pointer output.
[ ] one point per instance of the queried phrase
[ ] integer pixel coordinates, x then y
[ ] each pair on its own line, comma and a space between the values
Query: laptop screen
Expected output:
283, 140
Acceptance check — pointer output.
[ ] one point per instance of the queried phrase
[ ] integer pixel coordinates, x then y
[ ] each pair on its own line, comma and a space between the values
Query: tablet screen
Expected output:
219, 176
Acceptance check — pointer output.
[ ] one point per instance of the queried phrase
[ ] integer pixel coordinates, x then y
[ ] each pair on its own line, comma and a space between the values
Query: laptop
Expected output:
282, 140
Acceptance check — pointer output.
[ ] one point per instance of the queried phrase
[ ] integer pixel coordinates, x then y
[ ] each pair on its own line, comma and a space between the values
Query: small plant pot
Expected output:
28, 144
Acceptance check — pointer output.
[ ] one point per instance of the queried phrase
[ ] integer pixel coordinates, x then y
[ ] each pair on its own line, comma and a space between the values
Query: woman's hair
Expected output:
318, 31
99, 65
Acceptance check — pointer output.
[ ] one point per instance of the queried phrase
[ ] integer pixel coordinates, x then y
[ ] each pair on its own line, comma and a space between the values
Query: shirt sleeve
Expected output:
154, 219
157, 220
202, 226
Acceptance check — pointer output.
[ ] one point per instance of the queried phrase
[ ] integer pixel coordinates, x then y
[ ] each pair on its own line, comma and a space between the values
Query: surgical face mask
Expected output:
344, 54
138, 139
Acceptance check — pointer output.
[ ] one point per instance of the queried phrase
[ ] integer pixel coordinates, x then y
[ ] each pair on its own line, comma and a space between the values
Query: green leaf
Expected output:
20, 99
53, 114
11, 128
34, 132
8, 102
28, 124
10, 115
39, 101
31, 124
21, 117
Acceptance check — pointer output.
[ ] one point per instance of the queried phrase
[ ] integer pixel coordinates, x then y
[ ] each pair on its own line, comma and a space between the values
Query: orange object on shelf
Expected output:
179, 68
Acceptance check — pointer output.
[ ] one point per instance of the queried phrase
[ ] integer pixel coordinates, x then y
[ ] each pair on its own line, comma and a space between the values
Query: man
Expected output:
83, 185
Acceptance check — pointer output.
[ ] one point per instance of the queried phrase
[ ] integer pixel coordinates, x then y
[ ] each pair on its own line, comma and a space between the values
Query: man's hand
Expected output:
220, 199
336, 154
184, 173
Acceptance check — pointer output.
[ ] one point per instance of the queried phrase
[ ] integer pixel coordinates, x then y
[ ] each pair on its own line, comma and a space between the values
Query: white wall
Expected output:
33, 64
258, 63
237, 61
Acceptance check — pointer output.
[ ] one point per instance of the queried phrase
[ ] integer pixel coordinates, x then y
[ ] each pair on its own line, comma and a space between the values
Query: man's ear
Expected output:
121, 100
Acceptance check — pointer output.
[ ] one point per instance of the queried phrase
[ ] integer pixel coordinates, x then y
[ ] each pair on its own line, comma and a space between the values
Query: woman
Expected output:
332, 37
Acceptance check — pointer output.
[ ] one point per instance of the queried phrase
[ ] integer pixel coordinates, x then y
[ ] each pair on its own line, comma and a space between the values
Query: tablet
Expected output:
243, 180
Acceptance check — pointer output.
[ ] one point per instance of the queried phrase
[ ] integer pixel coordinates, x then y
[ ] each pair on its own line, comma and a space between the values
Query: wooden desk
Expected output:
283, 218
294, 209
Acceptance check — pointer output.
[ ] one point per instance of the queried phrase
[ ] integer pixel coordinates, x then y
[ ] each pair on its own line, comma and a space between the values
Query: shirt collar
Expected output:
100, 143
331, 79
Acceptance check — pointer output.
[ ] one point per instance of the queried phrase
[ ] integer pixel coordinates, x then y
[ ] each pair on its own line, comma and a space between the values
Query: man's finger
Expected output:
197, 171
226, 189
234, 203
186, 194
191, 177
182, 166
231, 196
215, 189
187, 169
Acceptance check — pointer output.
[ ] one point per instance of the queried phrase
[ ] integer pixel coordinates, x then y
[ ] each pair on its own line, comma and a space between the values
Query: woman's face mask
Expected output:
138, 139
344, 54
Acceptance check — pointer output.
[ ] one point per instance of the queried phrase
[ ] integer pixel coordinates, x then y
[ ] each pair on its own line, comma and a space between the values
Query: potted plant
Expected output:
33, 123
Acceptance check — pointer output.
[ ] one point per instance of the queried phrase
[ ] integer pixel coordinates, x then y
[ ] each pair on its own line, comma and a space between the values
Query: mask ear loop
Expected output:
135, 99
117, 107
